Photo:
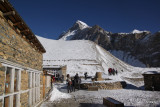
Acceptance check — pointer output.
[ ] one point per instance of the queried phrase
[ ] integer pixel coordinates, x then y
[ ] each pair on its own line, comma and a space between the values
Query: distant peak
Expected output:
81, 24
138, 31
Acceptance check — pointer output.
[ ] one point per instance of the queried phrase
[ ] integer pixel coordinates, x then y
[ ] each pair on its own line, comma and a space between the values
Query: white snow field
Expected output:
85, 56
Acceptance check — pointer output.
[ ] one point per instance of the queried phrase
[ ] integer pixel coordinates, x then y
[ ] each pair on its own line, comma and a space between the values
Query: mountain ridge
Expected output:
137, 44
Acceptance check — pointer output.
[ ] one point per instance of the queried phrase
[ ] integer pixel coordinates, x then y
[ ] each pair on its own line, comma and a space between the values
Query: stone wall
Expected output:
41, 93
47, 90
105, 85
0, 103
24, 80
14, 47
2, 79
151, 82
24, 99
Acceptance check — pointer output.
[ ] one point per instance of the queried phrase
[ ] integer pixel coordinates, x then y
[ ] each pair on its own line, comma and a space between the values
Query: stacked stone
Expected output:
24, 100
11, 47
2, 79
0, 103
99, 76
24, 81
109, 86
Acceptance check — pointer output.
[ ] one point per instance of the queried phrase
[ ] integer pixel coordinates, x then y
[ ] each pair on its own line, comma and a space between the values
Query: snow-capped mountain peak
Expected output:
77, 27
138, 31
81, 24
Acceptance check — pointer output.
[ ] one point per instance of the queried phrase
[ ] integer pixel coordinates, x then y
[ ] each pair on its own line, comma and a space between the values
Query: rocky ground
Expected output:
130, 96
80, 98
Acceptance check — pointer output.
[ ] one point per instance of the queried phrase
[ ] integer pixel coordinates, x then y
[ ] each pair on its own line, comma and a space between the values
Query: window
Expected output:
6, 102
16, 81
8, 80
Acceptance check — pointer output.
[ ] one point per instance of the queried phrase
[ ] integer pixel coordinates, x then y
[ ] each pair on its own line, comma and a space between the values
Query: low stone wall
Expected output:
24, 100
105, 85
151, 82
2, 79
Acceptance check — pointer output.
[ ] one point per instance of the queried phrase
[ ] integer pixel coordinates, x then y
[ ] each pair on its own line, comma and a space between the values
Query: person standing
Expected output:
62, 78
58, 77
77, 81
85, 75
73, 84
69, 83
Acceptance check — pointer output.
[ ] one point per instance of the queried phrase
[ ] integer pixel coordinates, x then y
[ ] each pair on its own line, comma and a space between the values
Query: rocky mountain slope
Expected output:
133, 47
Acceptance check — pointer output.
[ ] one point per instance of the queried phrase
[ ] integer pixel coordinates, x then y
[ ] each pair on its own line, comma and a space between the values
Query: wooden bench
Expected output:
92, 88
110, 102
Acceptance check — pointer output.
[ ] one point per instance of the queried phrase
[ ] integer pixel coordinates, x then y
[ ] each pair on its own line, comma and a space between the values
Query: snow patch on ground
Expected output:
56, 95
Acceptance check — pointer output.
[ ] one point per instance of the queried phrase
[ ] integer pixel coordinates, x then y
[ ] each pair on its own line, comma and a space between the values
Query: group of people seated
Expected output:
112, 71
57, 78
73, 83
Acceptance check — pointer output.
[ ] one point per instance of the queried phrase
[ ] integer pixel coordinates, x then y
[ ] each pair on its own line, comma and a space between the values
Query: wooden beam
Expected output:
18, 23
2, 0
30, 36
27, 30
32, 40
9, 13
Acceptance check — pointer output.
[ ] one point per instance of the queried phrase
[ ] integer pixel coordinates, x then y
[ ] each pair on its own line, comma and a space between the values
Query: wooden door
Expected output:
44, 85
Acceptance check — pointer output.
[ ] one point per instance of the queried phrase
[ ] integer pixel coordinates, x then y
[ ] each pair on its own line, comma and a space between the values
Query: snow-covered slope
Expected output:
86, 56
126, 57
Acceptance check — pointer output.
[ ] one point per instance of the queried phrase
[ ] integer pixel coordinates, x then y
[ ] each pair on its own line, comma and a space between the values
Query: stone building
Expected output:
56, 69
21, 73
152, 80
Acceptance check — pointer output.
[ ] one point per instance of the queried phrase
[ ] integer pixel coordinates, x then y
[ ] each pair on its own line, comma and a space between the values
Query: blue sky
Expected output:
49, 18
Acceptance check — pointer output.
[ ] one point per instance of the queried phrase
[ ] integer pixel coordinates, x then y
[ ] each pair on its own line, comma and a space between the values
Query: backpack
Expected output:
70, 82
